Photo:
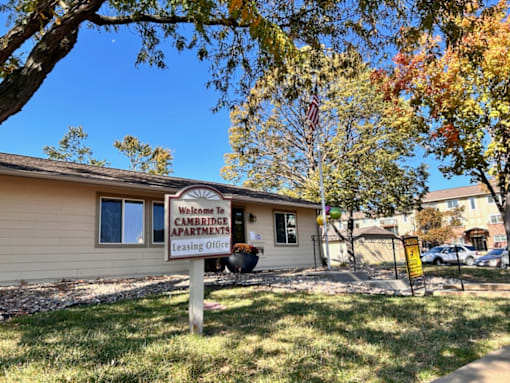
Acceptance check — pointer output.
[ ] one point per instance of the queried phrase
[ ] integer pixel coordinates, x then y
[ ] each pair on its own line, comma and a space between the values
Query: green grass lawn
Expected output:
261, 336
470, 273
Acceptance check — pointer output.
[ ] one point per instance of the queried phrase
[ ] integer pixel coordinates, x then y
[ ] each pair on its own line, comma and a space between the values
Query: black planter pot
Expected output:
241, 262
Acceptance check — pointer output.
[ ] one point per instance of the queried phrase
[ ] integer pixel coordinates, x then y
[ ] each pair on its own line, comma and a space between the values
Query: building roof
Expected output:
369, 231
373, 231
13, 164
439, 195
453, 193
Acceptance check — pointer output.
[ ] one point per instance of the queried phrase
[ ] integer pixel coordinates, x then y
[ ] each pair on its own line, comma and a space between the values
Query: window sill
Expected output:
120, 245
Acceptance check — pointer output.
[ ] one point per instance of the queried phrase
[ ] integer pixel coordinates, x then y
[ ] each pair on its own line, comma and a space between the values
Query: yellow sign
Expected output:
413, 258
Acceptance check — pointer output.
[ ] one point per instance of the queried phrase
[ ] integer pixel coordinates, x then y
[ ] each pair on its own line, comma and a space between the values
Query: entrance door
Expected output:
479, 243
238, 225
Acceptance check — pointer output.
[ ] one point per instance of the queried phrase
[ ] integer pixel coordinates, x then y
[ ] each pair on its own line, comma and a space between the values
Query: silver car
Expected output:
505, 260
494, 258
446, 254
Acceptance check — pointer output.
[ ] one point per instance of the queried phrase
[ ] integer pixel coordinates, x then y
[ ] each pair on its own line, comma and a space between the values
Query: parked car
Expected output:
505, 260
446, 254
493, 258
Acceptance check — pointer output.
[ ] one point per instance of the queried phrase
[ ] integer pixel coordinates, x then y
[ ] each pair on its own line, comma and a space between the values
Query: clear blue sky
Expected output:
97, 86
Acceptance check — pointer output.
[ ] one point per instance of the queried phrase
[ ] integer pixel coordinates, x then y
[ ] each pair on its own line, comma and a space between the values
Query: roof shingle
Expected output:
44, 168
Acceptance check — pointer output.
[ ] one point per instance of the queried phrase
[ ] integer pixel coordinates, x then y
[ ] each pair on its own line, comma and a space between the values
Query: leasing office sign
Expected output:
197, 223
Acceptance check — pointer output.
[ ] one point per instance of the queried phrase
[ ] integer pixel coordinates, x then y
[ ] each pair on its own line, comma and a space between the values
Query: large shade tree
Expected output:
463, 92
364, 149
240, 38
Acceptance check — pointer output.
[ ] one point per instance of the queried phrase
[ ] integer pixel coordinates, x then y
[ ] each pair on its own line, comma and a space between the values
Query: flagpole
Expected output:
323, 202
312, 117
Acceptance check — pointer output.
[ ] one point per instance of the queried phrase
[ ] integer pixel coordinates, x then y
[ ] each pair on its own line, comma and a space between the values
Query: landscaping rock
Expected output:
31, 298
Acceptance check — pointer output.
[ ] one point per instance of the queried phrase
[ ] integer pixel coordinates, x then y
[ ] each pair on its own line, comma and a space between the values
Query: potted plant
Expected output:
244, 258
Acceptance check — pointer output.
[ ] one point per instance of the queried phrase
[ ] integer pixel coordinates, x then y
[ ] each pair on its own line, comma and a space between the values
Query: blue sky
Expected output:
98, 86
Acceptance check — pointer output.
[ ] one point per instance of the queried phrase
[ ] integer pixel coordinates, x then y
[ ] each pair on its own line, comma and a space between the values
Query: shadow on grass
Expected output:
261, 336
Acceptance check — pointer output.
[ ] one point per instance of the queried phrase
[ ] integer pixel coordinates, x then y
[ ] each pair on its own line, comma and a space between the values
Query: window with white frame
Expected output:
452, 203
472, 203
121, 221
496, 218
285, 228
500, 238
491, 199
158, 222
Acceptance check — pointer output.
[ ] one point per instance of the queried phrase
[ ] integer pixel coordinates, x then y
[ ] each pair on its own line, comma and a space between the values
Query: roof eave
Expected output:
151, 188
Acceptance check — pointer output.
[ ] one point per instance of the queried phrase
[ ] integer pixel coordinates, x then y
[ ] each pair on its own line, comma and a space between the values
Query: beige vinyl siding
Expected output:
48, 232
367, 251
281, 256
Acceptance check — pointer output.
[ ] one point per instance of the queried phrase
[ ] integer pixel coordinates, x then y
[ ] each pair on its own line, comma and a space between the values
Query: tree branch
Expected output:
19, 86
102, 20
494, 195
25, 29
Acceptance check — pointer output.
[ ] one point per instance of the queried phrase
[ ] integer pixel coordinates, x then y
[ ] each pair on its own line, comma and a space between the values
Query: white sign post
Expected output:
196, 296
197, 226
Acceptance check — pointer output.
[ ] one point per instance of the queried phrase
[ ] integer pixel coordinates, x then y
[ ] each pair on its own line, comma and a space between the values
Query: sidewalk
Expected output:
492, 368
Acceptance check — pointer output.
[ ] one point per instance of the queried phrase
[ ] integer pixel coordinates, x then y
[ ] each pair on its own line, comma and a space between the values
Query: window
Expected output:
496, 218
490, 199
500, 238
286, 228
472, 203
453, 203
121, 221
158, 222
388, 221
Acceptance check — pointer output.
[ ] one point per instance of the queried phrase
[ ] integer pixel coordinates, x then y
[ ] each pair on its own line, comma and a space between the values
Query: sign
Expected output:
198, 224
413, 259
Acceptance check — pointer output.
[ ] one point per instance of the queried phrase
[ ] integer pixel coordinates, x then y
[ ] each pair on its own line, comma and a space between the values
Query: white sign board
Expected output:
197, 224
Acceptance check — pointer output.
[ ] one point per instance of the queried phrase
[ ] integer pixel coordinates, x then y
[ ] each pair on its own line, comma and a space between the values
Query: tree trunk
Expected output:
506, 220
350, 239
18, 87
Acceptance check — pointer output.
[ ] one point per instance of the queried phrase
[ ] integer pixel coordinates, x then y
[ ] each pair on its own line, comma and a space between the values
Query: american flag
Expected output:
312, 117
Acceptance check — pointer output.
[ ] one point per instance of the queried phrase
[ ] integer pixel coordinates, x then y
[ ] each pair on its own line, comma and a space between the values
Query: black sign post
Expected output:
458, 265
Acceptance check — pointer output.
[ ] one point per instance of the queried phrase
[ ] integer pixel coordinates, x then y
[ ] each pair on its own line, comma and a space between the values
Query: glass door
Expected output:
238, 235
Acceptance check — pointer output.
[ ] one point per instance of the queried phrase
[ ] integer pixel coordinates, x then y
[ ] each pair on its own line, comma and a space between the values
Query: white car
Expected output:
445, 254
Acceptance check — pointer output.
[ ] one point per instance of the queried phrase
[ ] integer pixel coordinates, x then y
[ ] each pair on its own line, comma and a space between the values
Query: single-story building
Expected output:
61, 220
372, 245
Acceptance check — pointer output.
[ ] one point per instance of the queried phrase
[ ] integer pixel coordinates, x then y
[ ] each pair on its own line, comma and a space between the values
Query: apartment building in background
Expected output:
482, 224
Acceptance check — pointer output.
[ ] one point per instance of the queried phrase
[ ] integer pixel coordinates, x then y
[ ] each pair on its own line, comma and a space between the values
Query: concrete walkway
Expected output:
492, 368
